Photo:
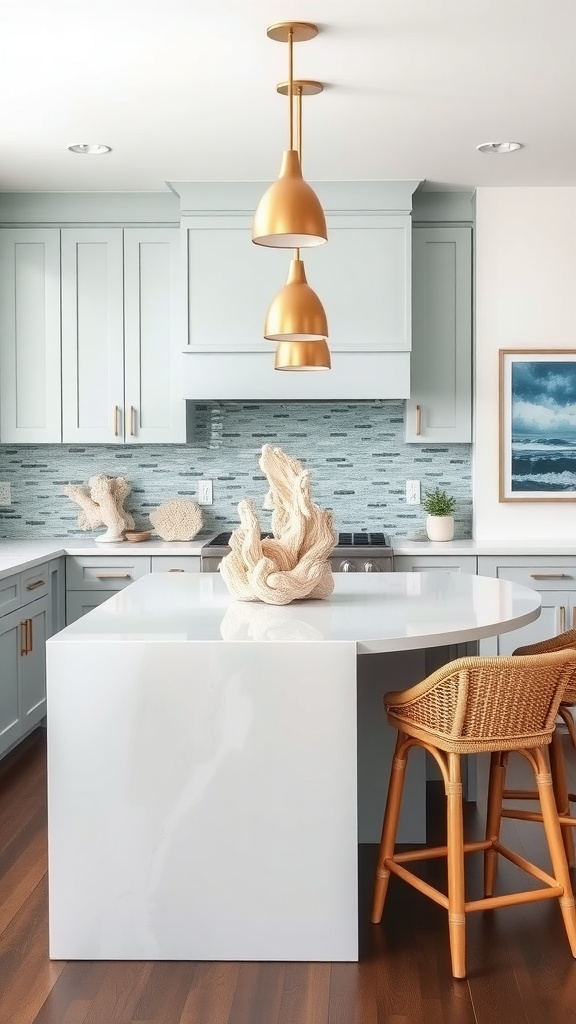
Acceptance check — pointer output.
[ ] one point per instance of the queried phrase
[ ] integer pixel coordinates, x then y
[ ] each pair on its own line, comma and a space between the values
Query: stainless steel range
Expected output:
354, 552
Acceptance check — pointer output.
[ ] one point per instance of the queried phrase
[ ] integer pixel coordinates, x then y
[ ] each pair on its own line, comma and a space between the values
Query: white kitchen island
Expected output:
207, 759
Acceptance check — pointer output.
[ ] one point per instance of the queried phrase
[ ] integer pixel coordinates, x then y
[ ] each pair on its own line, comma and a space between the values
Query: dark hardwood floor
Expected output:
519, 967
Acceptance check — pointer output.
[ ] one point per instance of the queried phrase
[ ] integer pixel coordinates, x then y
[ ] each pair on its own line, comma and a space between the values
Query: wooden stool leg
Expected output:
389, 829
560, 787
456, 898
556, 846
494, 817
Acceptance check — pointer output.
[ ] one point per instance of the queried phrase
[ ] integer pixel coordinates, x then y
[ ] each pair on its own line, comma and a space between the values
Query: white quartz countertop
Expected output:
381, 613
556, 547
16, 555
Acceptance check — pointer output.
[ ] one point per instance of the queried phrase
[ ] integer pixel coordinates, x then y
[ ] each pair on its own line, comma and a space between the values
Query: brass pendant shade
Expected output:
302, 356
296, 313
289, 214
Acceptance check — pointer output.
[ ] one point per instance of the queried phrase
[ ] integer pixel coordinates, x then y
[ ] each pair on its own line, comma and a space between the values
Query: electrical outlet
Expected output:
412, 492
204, 492
5, 494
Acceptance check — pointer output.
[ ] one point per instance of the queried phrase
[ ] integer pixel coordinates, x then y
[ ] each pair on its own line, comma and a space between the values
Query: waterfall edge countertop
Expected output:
209, 760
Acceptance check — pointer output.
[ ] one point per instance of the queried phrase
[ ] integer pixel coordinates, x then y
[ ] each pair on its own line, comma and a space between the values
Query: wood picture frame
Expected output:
537, 396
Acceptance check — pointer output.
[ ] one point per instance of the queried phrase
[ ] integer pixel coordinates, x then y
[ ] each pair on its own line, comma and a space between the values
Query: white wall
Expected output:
525, 298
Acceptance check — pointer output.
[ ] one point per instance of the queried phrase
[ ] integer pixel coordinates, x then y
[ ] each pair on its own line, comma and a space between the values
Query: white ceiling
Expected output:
185, 90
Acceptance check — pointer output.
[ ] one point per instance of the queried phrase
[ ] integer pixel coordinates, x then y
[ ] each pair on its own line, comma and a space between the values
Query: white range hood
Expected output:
363, 277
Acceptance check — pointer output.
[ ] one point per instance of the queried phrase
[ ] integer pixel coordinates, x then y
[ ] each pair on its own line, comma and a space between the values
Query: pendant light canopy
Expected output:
296, 313
289, 214
301, 356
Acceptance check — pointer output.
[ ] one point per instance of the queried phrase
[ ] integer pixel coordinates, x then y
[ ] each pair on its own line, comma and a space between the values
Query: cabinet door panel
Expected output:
435, 563
80, 602
30, 389
553, 618
439, 408
10, 639
92, 335
155, 410
33, 666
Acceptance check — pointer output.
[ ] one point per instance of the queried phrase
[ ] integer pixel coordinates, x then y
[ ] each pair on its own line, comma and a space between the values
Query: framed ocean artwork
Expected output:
537, 425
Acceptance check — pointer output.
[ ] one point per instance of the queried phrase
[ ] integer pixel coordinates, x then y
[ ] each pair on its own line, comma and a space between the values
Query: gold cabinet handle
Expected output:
132, 421
116, 416
113, 576
24, 637
562, 618
418, 421
176, 570
30, 636
37, 583
550, 576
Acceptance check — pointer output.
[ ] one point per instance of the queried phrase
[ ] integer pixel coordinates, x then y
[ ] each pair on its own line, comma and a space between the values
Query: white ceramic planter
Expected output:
440, 527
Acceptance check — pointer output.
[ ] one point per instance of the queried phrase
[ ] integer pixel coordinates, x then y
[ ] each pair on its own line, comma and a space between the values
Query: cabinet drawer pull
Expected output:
176, 570
116, 414
113, 576
24, 637
550, 576
418, 421
37, 583
562, 618
132, 421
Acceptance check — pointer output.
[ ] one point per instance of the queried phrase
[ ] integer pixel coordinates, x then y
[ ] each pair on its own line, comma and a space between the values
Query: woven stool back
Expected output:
475, 704
555, 643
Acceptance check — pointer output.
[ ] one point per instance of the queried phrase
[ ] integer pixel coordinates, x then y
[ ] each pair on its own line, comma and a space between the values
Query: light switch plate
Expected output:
5, 494
412, 492
204, 492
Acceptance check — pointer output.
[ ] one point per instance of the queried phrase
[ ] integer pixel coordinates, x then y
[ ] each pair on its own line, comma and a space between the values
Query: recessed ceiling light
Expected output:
499, 147
89, 148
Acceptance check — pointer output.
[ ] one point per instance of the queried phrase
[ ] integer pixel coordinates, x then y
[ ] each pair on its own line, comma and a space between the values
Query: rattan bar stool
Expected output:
468, 706
496, 788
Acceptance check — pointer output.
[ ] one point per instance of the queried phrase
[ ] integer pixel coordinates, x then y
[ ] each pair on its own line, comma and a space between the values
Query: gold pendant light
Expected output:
289, 215
302, 356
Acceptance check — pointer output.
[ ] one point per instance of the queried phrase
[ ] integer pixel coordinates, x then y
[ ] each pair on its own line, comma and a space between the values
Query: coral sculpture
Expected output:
102, 504
177, 519
293, 563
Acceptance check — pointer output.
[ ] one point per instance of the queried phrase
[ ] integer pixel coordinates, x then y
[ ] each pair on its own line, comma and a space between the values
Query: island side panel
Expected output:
202, 800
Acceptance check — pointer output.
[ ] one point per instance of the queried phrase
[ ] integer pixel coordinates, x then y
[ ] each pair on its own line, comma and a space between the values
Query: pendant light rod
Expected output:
298, 120
291, 81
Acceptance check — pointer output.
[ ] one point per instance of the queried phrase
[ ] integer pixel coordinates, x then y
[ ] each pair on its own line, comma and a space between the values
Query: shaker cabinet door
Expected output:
10, 646
154, 406
30, 389
33, 665
92, 335
440, 406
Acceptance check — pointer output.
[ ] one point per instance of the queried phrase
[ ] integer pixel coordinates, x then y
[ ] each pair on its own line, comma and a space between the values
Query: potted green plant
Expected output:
439, 506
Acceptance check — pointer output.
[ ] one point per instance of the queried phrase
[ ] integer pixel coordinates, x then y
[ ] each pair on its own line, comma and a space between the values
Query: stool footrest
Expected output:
434, 852
514, 898
525, 865
417, 883
535, 816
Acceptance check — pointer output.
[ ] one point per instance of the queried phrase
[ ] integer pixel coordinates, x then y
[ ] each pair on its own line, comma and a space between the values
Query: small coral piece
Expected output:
293, 564
177, 519
102, 503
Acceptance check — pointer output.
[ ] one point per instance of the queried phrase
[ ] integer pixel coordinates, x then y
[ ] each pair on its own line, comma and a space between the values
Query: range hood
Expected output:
363, 275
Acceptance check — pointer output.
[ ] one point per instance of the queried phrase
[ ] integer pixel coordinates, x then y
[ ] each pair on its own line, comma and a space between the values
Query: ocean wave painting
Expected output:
542, 414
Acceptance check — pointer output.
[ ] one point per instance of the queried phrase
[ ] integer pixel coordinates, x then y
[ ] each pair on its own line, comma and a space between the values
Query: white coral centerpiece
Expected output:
177, 519
102, 504
293, 563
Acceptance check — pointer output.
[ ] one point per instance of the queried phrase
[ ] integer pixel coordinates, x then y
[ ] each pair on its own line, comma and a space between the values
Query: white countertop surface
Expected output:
16, 555
19, 554
381, 613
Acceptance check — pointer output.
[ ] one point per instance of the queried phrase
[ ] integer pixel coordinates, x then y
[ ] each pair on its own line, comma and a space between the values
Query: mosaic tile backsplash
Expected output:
355, 452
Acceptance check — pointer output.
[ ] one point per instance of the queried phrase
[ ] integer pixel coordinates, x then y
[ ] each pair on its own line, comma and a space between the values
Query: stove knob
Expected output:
371, 567
347, 566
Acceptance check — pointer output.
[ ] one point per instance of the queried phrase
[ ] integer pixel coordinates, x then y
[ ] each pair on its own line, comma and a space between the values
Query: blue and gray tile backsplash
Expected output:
355, 451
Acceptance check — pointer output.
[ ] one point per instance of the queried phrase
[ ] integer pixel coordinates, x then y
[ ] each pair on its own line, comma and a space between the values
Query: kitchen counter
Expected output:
402, 546
208, 759
16, 555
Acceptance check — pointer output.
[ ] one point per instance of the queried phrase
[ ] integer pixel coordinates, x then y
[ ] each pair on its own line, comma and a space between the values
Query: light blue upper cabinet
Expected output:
120, 343
440, 406
30, 390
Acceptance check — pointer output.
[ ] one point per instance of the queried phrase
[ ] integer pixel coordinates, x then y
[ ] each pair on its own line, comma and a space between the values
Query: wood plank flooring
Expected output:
519, 967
